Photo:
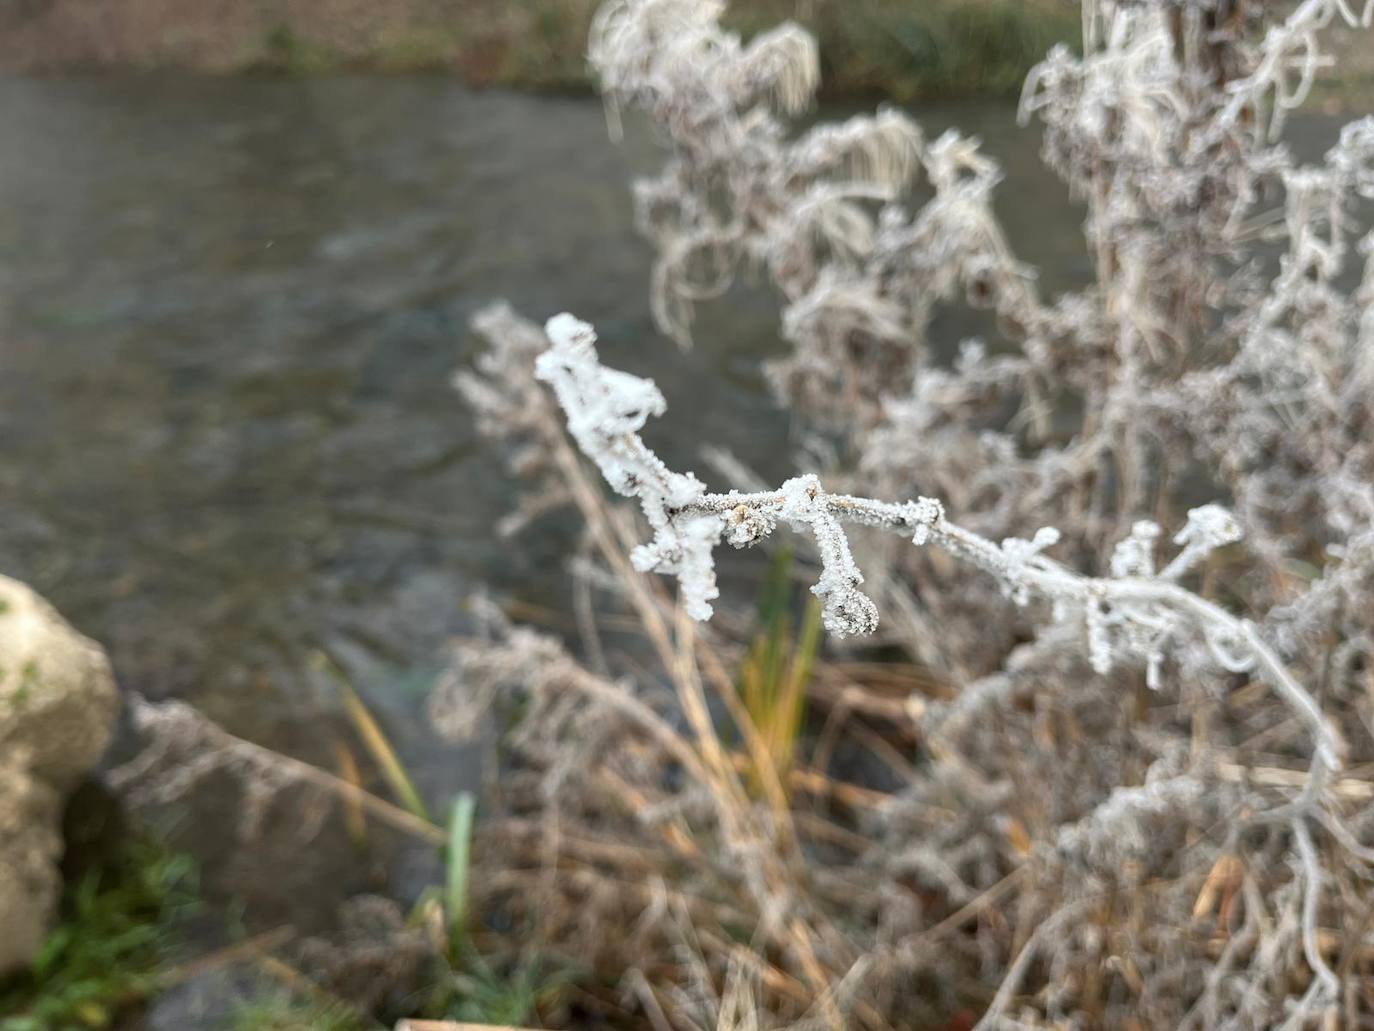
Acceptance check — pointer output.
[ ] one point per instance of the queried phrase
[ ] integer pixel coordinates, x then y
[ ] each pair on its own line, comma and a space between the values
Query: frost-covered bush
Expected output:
1153, 752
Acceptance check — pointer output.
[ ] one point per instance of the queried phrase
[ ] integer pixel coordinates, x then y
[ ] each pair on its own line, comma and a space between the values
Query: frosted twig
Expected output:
1123, 616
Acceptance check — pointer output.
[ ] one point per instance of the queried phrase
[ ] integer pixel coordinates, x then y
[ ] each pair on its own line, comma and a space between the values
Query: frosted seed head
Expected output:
1210, 526
799, 496
746, 525
848, 611
568, 332
923, 514
645, 558
628, 401
1134, 556
1099, 643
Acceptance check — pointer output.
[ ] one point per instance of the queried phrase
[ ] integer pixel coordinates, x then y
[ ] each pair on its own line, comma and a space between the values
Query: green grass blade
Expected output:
459, 868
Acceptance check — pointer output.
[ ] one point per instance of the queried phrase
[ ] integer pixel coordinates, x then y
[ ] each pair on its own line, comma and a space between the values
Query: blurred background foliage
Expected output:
899, 48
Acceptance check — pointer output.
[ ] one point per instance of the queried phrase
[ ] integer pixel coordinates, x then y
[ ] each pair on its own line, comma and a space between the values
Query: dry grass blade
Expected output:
176, 730
374, 739
355, 819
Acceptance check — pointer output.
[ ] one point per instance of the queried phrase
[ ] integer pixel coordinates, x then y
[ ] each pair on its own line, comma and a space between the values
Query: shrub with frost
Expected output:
1131, 538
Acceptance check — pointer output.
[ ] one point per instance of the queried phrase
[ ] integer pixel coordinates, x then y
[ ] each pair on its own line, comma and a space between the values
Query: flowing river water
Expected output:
229, 314
231, 310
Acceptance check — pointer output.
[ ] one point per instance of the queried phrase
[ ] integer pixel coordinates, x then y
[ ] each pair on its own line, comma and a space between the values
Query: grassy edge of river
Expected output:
889, 48
897, 49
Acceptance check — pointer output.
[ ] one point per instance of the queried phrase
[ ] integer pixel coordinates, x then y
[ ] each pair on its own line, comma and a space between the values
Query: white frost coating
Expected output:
847, 609
1135, 556
1209, 527
1018, 552
1125, 617
606, 409
924, 513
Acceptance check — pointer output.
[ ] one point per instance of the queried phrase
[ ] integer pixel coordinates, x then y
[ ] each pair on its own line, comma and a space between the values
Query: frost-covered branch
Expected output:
1124, 616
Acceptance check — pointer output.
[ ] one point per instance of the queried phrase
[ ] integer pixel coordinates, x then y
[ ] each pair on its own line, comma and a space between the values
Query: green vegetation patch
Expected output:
288, 51
905, 50
894, 48
285, 1012
116, 929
